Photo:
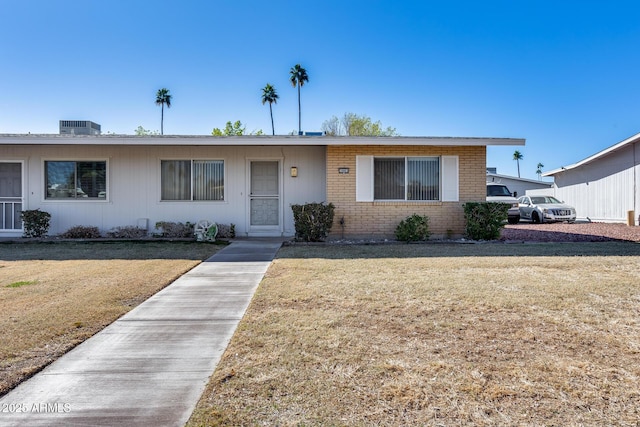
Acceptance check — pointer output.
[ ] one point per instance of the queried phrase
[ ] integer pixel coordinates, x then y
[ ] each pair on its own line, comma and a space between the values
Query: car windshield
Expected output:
497, 190
544, 200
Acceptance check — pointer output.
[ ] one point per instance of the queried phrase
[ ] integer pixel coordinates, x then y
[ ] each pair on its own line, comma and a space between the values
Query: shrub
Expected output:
484, 220
313, 221
128, 232
175, 229
81, 232
413, 228
36, 222
226, 231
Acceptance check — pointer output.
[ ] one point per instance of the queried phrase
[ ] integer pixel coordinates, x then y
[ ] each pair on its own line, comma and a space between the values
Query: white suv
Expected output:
500, 193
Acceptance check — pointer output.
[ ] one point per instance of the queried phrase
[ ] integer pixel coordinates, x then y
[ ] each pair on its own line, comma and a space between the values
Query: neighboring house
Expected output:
518, 185
109, 181
603, 187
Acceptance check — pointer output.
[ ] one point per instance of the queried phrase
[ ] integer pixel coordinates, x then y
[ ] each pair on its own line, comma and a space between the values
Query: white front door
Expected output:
264, 198
10, 196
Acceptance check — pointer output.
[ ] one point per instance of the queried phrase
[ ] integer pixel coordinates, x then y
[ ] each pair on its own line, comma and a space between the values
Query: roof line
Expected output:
497, 175
606, 151
31, 139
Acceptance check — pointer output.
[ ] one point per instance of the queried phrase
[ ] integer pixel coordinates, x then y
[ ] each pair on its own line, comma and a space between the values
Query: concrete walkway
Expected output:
150, 367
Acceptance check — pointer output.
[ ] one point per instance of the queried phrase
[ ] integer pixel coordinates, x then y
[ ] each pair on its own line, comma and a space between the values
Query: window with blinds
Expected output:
192, 180
406, 178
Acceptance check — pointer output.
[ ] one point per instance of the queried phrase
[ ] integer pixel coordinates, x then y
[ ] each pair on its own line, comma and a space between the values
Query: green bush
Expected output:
81, 232
313, 221
36, 222
484, 220
413, 229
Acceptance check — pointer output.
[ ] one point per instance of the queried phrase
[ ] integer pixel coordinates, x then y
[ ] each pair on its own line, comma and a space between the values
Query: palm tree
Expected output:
163, 97
517, 156
539, 170
298, 76
269, 95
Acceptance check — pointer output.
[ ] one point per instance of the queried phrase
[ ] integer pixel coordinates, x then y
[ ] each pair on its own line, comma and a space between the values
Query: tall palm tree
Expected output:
163, 97
517, 156
539, 170
298, 76
269, 95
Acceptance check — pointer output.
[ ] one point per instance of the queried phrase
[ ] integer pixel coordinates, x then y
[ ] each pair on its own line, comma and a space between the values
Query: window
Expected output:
423, 178
192, 179
406, 178
75, 180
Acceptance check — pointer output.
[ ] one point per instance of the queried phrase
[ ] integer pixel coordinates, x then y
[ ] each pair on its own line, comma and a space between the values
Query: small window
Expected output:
407, 178
75, 180
192, 180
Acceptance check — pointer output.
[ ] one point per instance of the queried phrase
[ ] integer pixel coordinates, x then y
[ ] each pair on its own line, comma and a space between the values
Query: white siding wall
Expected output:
134, 184
522, 187
605, 189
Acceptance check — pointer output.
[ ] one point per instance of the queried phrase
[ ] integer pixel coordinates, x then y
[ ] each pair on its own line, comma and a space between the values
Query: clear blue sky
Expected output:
565, 75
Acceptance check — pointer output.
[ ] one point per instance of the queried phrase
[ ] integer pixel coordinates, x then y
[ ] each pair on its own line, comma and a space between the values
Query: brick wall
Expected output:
379, 219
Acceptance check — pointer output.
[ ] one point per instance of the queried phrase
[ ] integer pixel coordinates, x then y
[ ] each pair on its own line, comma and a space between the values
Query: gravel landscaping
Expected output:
564, 232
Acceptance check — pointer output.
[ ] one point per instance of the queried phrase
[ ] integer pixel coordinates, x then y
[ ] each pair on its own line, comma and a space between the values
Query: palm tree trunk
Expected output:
299, 112
518, 163
162, 120
273, 130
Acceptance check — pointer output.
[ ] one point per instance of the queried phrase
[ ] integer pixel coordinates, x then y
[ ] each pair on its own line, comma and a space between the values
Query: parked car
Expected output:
545, 209
501, 194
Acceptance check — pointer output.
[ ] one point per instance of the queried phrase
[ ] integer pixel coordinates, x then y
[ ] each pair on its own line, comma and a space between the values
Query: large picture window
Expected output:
75, 180
406, 178
192, 179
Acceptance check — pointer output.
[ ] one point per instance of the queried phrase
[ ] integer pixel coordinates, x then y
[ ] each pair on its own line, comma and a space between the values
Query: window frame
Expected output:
406, 179
45, 180
192, 182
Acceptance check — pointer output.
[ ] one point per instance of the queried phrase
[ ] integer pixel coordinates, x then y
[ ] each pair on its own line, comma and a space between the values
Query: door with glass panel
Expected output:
264, 197
10, 196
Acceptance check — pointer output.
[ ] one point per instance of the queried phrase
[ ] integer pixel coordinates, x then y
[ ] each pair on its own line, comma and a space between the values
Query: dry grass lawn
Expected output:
55, 295
436, 334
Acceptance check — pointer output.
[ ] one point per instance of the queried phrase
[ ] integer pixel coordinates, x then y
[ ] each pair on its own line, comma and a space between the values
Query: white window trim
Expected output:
364, 178
449, 178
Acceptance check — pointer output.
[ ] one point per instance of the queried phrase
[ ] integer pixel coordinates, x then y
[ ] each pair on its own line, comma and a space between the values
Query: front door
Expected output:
10, 196
264, 198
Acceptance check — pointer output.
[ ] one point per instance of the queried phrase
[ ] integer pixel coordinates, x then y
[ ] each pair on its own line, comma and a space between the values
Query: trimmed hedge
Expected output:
313, 221
484, 220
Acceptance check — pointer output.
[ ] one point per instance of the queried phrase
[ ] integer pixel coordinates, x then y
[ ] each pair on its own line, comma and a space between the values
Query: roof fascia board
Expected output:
633, 139
515, 178
249, 140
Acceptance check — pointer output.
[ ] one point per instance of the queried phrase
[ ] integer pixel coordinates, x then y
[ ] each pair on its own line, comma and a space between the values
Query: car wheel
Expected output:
513, 220
535, 218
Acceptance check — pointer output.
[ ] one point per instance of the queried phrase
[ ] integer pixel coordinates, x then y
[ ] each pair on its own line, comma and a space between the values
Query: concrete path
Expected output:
150, 367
